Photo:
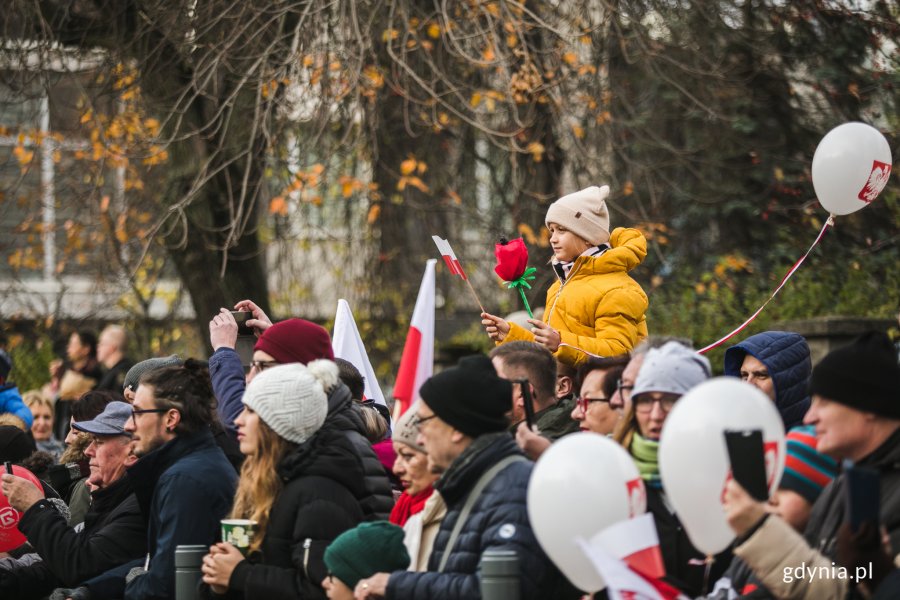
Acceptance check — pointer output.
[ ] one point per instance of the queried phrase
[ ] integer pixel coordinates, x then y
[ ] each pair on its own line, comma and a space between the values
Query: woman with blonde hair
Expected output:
299, 484
41, 409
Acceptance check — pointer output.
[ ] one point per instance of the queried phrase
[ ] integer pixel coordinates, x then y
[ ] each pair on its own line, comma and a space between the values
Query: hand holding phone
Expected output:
241, 317
748, 461
528, 401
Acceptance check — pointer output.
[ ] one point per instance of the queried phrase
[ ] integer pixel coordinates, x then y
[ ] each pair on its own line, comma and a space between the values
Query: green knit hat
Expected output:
374, 547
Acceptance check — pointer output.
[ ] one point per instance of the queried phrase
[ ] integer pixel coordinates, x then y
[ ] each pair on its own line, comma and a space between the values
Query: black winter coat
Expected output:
322, 480
829, 510
114, 533
376, 497
498, 521
679, 555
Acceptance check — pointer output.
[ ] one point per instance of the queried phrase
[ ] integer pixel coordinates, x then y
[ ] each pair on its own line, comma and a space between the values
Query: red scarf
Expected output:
408, 505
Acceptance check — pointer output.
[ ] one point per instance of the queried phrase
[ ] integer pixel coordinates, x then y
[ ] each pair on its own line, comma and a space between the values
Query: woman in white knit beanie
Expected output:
299, 484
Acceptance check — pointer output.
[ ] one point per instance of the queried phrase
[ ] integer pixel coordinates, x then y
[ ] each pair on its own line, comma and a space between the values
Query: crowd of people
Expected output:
336, 499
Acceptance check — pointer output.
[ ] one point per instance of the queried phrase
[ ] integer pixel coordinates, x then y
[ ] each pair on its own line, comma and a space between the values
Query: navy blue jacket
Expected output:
228, 381
11, 402
786, 356
499, 521
184, 489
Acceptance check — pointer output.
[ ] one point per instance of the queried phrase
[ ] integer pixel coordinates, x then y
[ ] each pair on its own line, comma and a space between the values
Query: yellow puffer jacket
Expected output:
599, 309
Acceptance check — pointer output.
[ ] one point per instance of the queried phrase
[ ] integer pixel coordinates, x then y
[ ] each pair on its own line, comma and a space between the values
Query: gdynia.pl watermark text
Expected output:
803, 572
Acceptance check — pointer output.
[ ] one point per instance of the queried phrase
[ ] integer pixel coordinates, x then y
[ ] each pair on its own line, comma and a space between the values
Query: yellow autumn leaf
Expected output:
475, 100
434, 31
578, 131
488, 54
628, 188
527, 232
277, 206
512, 40
570, 58
104, 204
454, 196
418, 184
408, 166
536, 149
374, 212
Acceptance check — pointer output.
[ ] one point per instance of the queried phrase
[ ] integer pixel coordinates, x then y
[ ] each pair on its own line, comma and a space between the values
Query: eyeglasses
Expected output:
262, 365
136, 412
622, 388
417, 422
584, 401
644, 403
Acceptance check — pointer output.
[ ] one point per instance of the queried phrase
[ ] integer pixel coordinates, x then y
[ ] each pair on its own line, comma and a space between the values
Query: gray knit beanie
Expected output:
292, 399
584, 213
406, 429
673, 369
133, 377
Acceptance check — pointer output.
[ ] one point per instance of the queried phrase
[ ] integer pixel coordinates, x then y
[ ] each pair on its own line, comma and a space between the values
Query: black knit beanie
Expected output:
15, 444
470, 397
864, 375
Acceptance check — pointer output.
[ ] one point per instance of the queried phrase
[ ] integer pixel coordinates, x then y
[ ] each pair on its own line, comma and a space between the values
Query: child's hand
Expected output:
496, 327
545, 335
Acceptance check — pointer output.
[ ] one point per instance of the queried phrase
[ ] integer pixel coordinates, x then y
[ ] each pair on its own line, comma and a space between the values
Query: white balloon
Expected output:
693, 456
851, 166
582, 484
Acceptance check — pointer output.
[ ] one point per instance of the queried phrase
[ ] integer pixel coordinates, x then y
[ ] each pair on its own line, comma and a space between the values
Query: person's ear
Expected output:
564, 386
173, 418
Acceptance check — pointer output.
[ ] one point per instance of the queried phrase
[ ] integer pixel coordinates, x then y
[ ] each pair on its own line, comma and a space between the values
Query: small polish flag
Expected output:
622, 581
449, 257
417, 361
347, 344
636, 542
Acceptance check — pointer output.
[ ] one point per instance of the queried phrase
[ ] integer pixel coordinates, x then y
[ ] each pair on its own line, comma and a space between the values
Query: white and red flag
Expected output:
347, 344
623, 582
417, 362
634, 541
449, 257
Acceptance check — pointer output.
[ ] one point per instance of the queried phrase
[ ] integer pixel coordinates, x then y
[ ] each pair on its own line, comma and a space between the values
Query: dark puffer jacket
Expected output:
114, 533
228, 384
786, 356
498, 521
323, 477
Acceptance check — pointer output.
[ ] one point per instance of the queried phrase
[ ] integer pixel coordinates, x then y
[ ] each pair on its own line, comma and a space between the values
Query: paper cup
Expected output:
239, 533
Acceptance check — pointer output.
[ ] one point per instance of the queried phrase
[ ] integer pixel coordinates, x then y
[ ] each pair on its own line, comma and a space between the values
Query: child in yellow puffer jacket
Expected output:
595, 307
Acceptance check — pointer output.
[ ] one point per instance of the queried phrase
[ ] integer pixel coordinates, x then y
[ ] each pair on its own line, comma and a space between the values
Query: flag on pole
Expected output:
347, 344
417, 362
449, 257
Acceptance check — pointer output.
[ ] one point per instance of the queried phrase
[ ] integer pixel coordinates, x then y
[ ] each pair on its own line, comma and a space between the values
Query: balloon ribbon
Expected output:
791, 271
521, 283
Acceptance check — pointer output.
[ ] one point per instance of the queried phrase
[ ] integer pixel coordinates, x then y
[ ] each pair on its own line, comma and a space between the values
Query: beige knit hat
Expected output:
583, 213
406, 429
291, 399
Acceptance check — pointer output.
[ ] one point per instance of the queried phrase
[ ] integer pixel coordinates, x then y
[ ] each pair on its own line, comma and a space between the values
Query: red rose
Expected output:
512, 258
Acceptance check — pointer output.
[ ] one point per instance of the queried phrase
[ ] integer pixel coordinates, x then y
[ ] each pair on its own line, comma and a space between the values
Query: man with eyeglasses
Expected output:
484, 481
113, 533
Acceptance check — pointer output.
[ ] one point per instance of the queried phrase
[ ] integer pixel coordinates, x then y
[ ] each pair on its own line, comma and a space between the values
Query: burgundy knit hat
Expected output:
295, 341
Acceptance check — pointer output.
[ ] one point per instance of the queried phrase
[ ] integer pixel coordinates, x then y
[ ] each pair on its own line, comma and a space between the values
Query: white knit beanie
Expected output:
291, 399
673, 369
583, 213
